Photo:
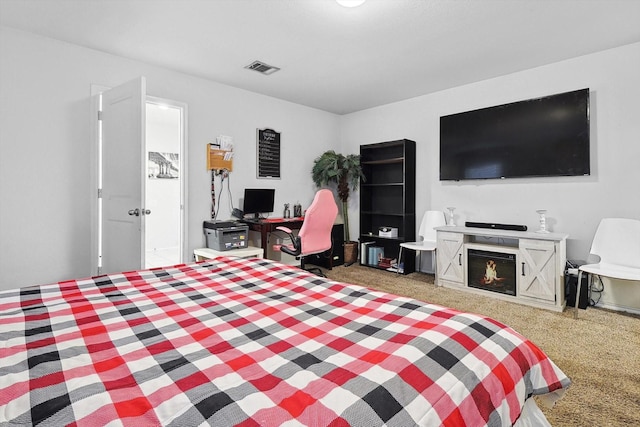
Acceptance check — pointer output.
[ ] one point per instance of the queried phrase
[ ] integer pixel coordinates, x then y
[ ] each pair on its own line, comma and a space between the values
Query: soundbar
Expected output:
512, 227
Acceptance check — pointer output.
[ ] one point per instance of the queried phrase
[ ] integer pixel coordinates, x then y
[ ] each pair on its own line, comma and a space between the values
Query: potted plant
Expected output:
345, 172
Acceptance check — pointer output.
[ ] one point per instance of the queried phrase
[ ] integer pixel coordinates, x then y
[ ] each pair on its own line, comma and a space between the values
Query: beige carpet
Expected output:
600, 351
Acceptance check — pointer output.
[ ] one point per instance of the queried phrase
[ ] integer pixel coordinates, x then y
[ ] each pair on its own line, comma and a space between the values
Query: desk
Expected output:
207, 253
266, 226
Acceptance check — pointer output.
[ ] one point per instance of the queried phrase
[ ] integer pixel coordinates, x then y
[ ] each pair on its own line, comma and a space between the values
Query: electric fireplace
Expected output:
491, 271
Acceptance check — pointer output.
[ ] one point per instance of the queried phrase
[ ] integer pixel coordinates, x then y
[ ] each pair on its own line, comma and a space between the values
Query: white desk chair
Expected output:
427, 234
617, 243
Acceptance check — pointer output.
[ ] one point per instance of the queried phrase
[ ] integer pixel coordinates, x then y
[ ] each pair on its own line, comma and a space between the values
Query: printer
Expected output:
225, 235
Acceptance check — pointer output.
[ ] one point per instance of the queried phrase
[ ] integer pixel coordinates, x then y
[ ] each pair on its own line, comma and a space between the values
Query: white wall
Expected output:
45, 149
575, 204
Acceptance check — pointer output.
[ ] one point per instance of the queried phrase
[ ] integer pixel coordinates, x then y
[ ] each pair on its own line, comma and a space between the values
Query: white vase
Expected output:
543, 221
451, 221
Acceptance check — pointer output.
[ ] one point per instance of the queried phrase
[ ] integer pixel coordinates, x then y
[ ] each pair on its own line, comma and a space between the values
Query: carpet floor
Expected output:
599, 352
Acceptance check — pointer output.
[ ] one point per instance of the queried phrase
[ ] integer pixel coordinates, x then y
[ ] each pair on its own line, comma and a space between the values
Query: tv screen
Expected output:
258, 201
546, 136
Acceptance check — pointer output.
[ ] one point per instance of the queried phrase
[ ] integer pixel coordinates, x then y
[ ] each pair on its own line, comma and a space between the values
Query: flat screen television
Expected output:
539, 137
258, 201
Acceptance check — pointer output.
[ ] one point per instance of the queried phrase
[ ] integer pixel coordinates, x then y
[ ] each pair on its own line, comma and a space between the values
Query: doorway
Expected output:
140, 175
164, 183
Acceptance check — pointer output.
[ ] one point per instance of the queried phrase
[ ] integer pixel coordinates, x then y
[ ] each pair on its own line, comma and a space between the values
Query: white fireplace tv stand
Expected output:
538, 259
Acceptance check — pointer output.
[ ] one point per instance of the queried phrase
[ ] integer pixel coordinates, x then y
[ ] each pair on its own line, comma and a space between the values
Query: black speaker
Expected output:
492, 225
571, 287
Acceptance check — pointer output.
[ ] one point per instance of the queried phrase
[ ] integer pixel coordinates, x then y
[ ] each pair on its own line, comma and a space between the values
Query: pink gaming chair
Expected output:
314, 236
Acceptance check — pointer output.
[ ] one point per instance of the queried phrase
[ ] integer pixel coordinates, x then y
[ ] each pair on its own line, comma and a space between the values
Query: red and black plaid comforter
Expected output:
252, 343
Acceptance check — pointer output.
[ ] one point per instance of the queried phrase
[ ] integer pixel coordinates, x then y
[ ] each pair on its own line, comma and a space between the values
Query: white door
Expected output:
123, 148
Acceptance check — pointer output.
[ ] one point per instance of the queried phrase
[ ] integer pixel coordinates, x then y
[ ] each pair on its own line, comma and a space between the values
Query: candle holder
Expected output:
451, 221
543, 221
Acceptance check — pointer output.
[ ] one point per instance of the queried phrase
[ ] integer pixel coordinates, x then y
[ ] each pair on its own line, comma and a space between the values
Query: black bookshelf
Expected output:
388, 199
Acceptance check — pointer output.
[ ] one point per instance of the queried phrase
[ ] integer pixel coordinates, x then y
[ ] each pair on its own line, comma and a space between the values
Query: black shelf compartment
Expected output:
383, 199
372, 221
391, 247
383, 173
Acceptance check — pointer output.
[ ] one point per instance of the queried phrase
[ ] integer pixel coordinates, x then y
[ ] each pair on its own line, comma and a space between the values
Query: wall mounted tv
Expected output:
539, 137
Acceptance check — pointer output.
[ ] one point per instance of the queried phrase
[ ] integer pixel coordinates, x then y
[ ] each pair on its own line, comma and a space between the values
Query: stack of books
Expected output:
385, 262
370, 254
376, 253
364, 252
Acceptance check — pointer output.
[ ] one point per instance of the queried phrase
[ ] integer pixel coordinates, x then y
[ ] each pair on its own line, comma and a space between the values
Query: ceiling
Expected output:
333, 58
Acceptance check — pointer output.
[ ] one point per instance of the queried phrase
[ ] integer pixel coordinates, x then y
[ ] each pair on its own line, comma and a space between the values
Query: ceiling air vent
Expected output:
261, 67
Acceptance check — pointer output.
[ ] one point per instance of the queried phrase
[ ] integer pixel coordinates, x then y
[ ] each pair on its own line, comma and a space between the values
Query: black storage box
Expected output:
571, 281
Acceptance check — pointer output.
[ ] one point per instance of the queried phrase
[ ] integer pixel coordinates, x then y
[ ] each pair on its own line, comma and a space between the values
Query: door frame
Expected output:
95, 171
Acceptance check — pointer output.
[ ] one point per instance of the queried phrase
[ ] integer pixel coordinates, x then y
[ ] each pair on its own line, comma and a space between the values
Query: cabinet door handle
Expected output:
523, 268
460, 259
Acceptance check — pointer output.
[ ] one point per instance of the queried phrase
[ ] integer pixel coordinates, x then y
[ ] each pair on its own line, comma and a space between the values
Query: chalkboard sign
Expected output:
268, 153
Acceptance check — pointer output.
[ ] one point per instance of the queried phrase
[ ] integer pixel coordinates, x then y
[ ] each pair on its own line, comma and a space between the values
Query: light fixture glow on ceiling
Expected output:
350, 3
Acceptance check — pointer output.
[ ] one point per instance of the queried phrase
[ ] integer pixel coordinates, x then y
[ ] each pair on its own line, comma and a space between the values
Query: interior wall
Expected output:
46, 167
574, 205
46, 189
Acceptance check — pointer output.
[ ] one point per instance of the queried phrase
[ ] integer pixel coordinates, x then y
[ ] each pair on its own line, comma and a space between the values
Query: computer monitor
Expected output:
258, 201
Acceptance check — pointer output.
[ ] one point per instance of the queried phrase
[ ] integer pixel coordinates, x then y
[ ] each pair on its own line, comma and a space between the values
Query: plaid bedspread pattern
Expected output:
236, 342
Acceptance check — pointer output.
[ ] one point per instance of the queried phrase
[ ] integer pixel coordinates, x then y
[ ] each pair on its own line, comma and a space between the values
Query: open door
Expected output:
123, 150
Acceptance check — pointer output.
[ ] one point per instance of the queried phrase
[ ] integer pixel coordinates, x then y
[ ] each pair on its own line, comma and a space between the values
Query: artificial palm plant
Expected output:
345, 172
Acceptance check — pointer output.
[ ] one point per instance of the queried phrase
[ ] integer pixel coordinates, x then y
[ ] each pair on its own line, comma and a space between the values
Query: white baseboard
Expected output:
632, 310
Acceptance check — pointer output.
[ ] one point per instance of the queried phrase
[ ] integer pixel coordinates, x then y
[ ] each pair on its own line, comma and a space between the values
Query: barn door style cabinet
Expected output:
523, 267
387, 203
450, 258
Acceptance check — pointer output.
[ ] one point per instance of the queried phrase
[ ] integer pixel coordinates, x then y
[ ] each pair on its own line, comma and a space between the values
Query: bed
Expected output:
251, 342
